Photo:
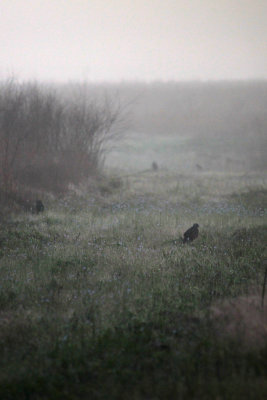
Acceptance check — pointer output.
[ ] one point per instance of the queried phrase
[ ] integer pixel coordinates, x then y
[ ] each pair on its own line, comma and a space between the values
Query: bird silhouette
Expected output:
39, 206
191, 234
155, 166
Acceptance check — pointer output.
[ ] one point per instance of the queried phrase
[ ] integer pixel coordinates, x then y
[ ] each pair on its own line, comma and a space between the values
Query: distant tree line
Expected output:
47, 141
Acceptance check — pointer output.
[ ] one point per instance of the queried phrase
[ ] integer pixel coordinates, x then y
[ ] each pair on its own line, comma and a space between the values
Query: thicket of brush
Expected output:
47, 142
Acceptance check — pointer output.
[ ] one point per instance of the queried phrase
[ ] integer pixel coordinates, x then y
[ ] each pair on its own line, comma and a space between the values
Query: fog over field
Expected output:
195, 70
220, 126
133, 198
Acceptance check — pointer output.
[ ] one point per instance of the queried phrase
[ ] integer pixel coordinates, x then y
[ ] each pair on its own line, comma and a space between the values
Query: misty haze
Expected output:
133, 194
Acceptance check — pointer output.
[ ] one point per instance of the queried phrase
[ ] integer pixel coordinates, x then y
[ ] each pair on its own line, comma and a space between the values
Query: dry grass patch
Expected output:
243, 319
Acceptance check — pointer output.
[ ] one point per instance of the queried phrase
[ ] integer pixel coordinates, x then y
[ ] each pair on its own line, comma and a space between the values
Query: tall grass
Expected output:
100, 299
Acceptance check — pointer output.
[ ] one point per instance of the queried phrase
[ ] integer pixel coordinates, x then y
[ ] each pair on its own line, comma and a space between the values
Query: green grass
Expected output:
100, 299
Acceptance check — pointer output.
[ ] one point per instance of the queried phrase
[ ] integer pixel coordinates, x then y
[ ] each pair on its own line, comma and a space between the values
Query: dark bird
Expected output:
155, 166
39, 206
191, 234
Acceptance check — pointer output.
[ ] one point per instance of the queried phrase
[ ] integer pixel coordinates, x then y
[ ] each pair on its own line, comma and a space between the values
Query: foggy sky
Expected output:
115, 40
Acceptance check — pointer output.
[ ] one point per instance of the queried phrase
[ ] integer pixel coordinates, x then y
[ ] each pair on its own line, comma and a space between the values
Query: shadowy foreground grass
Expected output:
100, 299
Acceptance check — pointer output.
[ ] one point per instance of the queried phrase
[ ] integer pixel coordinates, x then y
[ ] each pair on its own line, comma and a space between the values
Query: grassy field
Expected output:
99, 298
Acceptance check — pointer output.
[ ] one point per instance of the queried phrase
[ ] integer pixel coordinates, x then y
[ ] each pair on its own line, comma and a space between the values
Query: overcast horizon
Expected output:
125, 40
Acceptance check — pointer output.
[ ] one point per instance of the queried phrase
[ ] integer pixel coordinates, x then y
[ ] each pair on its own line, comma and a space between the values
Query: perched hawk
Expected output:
39, 206
191, 234
155, 166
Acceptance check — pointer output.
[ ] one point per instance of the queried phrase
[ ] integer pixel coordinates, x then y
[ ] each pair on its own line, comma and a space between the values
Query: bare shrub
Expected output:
30, 124
46, 143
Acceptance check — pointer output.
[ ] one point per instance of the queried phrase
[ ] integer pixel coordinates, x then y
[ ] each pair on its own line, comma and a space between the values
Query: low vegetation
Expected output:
101, 299
99, 296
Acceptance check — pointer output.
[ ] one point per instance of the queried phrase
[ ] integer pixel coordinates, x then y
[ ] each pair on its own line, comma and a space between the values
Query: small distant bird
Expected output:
155, 166
191, 234
39, 206
198, 167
